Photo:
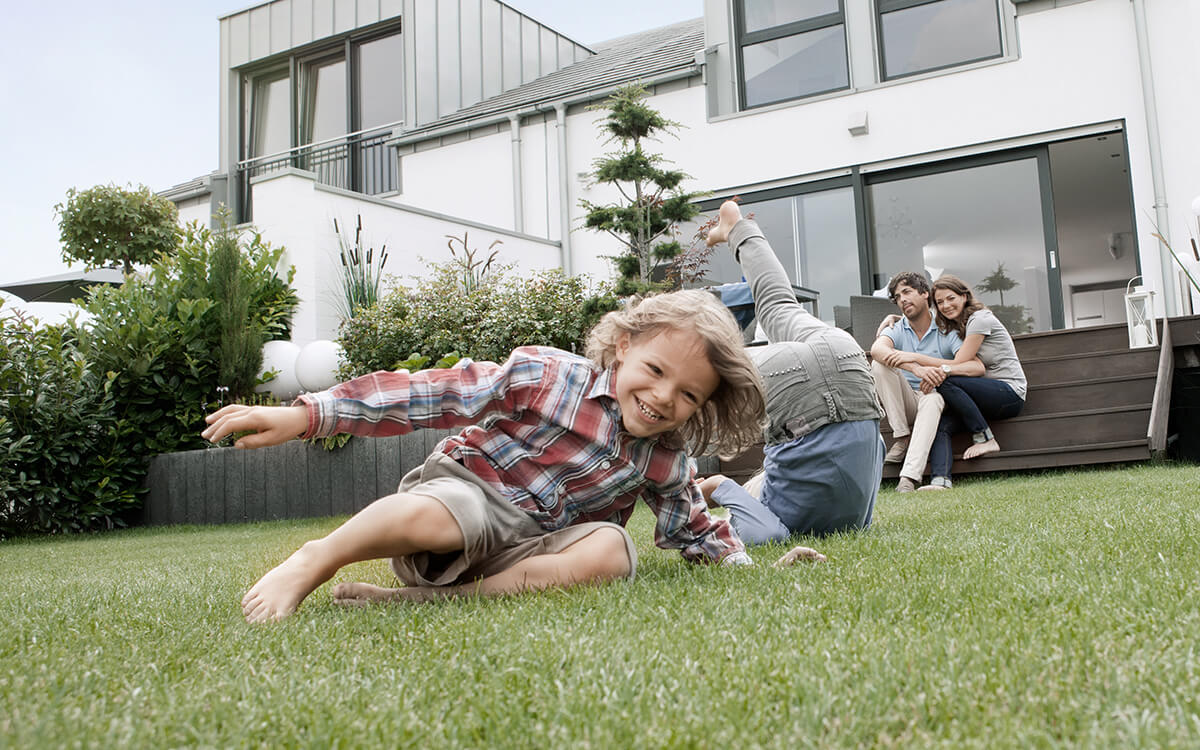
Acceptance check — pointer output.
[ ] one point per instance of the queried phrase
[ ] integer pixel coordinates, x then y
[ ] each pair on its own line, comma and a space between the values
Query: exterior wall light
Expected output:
1139, 315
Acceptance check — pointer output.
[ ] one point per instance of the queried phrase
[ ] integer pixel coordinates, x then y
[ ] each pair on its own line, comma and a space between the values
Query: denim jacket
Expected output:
814, 374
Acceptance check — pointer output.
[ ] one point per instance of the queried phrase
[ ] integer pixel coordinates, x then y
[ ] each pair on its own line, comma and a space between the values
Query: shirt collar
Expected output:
605, 384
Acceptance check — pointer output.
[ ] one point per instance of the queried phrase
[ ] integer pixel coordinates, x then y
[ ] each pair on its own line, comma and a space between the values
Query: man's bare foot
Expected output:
280, 591
729, 215
355, 594
799, 553
979, 449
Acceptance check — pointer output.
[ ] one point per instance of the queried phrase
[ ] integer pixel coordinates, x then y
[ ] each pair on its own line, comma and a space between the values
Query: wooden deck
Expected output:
1091, 400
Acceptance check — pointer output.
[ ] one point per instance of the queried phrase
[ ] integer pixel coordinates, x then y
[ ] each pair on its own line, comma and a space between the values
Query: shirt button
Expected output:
605, 464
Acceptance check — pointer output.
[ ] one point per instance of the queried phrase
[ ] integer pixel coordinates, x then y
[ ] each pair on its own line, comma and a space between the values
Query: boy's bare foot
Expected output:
729, 215
979, 449
280, 591
356, 594
708, 485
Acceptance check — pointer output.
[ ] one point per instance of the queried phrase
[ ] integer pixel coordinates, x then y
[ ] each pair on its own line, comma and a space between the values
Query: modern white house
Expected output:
1032, 147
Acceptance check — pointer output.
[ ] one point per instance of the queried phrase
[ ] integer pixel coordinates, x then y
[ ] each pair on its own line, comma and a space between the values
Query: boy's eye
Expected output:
655, 369
691, 397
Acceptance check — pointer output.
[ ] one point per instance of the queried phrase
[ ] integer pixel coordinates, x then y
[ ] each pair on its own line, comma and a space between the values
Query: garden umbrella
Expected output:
63, 287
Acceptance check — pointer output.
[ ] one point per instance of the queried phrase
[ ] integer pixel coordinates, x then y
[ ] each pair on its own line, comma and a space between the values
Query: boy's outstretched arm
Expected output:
271, 425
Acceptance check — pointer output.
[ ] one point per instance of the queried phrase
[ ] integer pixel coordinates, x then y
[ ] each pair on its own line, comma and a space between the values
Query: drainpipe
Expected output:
514, 124
1156, 168
564, 188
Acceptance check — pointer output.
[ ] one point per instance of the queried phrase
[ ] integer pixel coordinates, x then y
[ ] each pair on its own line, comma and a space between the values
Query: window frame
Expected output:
745, 39
884, 7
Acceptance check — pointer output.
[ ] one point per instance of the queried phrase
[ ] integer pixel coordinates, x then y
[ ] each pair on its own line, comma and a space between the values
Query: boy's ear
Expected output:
623, 342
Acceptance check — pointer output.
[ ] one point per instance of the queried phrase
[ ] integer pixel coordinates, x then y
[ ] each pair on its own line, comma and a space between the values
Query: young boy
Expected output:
536, 490
823, 458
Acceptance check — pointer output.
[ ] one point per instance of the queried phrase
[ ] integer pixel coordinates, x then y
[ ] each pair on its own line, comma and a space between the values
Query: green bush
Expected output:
107, 224
62, 464
161, 337
440, 317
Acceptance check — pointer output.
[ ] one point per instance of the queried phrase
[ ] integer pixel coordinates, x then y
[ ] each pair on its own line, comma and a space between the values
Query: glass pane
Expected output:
380, 75
828, 249
271, 125
982, 224
939, 34
763, 14
795, 66
325, 101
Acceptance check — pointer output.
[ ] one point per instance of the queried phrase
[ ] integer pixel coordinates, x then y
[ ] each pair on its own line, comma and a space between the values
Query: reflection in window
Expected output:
920, 35
982, 224
323, 109
791, 49
815, 238
270, 108
380, 64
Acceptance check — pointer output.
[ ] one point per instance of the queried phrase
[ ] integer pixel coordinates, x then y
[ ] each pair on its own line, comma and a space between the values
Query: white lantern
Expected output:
280, 356
1139, 315
317, 364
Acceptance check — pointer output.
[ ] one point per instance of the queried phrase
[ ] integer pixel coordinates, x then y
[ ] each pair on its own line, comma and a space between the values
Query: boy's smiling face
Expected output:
661, 380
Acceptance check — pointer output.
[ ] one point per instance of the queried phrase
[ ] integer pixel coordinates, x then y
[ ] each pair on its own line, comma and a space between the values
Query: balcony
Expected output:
361, 162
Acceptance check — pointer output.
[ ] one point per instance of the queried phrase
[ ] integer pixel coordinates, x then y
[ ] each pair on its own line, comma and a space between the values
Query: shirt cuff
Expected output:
736, 559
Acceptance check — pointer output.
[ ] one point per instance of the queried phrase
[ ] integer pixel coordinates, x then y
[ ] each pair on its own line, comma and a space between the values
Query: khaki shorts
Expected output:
496, 533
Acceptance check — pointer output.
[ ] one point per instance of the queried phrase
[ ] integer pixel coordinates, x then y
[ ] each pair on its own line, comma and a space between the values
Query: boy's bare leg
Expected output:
395, 525
599, 557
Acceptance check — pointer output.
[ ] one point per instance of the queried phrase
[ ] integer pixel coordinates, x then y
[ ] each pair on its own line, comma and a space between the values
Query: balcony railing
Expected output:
362, 162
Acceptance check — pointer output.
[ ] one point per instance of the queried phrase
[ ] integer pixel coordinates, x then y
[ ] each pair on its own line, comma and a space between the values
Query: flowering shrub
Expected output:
441, 317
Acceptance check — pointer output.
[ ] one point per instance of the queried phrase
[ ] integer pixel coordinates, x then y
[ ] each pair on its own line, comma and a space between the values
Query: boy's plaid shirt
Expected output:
544, 429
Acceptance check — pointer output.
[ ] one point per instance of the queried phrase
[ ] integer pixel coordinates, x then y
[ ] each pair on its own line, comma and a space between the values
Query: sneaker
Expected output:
906, 485
895, 454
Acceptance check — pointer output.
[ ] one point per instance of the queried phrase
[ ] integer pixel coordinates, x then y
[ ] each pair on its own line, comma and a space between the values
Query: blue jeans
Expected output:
823, 482
970, 402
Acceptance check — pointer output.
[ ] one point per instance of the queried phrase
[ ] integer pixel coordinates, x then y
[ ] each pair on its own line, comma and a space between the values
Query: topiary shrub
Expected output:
440, 316
108, 224
62, 465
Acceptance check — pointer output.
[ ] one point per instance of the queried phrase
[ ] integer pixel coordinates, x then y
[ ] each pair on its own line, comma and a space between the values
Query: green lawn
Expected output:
1057, 610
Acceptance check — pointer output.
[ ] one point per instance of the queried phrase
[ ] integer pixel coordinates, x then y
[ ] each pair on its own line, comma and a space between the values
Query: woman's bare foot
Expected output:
729, 215
280, 591
979, 449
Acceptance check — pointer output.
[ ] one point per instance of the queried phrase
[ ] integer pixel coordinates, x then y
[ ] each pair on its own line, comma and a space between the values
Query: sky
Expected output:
125, 92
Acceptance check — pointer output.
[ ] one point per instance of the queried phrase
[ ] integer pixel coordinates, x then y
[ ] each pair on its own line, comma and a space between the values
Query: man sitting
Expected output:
906, 389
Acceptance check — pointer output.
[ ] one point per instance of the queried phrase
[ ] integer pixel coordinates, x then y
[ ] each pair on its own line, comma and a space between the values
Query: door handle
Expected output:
1053, 259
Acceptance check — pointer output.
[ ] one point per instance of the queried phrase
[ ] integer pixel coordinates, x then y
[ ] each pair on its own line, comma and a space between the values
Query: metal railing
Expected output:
362, 162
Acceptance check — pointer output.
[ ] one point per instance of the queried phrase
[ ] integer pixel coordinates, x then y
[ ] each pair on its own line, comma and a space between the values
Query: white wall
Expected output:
292, 210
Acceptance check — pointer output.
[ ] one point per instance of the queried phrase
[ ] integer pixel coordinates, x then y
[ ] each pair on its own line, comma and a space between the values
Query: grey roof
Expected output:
639, 56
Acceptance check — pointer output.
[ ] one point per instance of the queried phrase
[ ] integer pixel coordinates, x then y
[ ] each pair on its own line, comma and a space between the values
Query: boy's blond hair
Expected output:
731, 419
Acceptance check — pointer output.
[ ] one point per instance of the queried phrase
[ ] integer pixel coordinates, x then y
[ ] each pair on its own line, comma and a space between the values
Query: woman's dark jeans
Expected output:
970, 402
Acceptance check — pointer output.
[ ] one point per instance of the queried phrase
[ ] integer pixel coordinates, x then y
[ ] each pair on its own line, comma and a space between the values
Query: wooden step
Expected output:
1072, 341
1089, 394
1090, 366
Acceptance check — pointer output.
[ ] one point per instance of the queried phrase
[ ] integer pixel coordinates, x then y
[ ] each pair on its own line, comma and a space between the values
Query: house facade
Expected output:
1032, 147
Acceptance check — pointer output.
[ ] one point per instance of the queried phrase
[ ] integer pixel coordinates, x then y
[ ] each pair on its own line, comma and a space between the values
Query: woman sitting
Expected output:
971, 401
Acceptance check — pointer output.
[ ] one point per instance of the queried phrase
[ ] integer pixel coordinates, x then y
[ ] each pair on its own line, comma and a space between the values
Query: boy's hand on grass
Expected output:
799, 553
268, 425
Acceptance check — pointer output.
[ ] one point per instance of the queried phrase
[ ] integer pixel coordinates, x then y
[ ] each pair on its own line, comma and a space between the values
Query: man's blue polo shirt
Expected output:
934, 343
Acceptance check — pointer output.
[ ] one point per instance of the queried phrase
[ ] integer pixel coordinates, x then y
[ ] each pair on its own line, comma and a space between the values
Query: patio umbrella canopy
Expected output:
63, 287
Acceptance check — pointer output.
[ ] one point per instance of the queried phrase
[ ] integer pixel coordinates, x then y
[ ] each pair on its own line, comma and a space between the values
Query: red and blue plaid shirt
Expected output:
544, 429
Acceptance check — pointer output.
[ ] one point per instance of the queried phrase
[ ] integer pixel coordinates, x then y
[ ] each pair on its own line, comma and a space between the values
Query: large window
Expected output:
790, 49
815, 237
920, 35
329, 112
983, 224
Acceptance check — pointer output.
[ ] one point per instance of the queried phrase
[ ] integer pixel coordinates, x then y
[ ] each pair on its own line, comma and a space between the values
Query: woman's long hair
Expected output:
958, 286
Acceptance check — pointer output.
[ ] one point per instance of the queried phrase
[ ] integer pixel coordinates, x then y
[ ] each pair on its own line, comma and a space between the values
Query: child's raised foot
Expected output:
280, 591
729, 215
979, 449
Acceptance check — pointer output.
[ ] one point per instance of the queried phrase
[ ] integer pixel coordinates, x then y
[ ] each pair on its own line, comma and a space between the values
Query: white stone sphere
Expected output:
281, 357
316, 367
1196, 206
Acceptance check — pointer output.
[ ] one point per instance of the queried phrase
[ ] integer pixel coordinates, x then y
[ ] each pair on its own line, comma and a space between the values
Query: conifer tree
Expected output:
652, 201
